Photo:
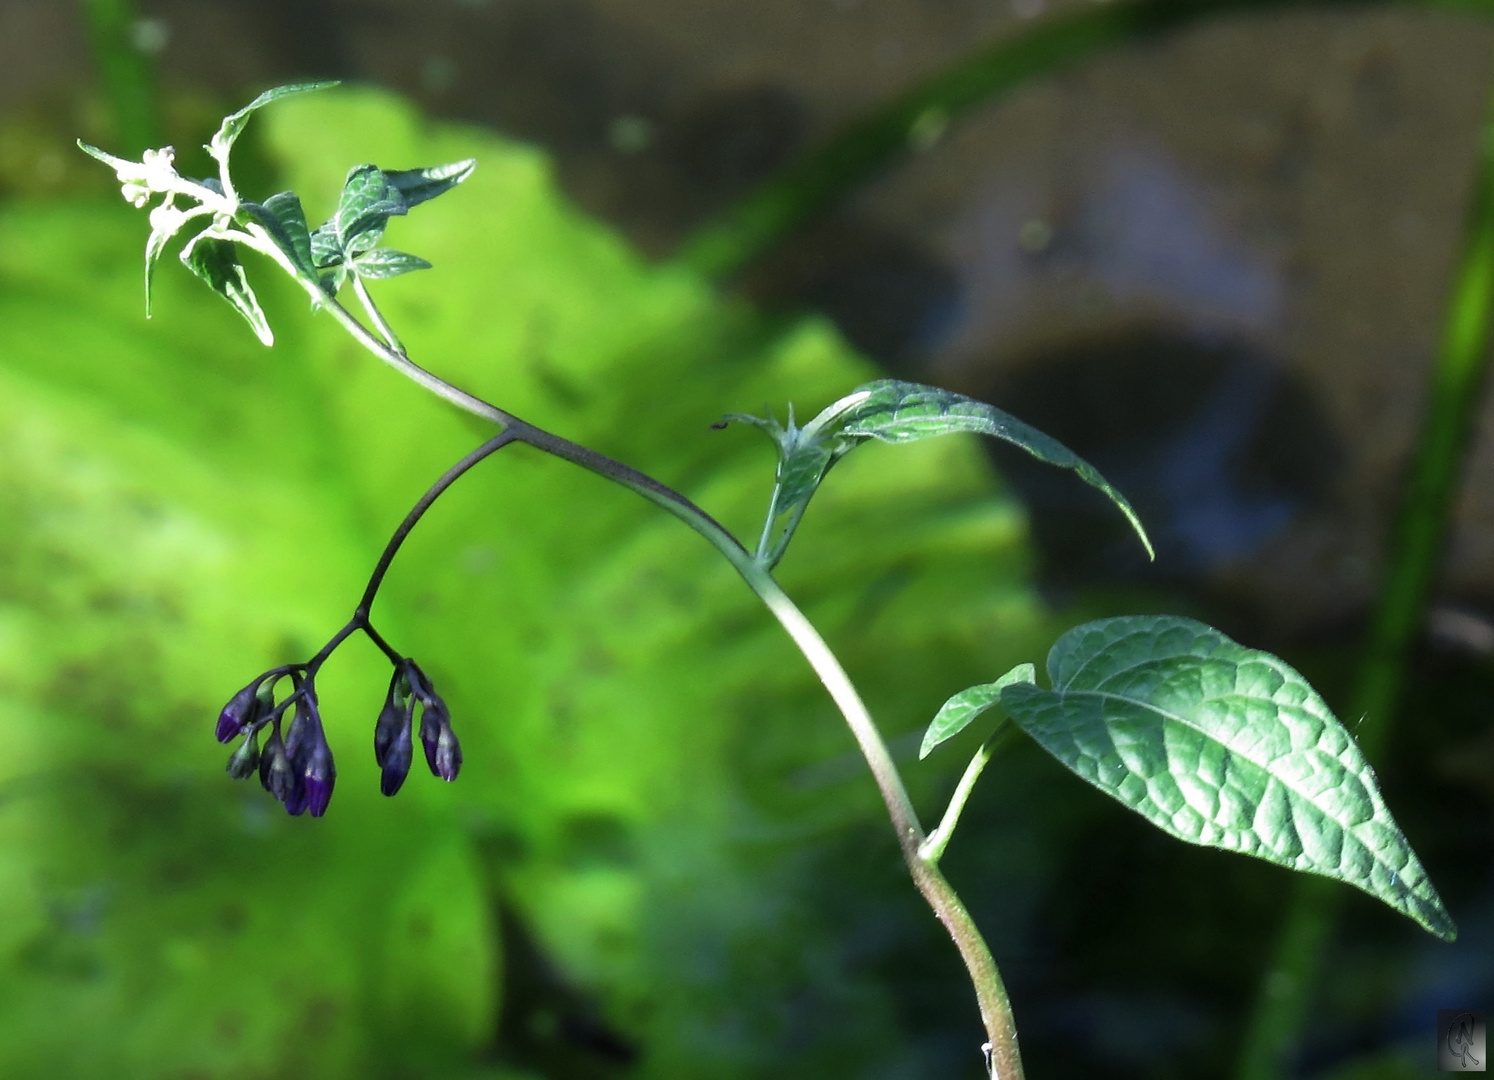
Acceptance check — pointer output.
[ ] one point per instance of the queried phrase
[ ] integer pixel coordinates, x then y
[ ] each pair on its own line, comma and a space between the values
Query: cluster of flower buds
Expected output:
298, 768
393, 742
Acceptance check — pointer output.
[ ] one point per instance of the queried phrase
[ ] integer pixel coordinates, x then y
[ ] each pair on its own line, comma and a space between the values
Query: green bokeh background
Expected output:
662, 849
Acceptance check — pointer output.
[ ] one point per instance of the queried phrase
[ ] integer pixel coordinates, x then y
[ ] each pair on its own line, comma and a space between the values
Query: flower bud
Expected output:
240, 712
443, 753
311, 757
397, 712
279, 776
245, 759
397, 759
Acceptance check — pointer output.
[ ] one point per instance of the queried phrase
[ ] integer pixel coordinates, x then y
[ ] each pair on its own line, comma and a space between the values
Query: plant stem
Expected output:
376, 316
496, 443
932, 849
1421, 530
990, 992
991, 996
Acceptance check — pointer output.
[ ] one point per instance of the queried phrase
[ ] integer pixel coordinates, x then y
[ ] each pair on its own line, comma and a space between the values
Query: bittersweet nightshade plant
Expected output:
1213, 742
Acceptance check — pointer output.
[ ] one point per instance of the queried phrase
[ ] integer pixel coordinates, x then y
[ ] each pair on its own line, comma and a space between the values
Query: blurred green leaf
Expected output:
1224, 746
646, 756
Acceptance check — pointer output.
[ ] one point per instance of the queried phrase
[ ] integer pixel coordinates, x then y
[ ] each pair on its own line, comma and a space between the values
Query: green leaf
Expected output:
165, 221
364, 209
894, 411
386, 263
956, 714
216, 261
283, 218
1224, 746
233, 125
420, 185
326, 249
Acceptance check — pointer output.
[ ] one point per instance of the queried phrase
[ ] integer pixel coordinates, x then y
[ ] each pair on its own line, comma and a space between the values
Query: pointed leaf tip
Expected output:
1224, 746
894, 411
233, 124
216, 261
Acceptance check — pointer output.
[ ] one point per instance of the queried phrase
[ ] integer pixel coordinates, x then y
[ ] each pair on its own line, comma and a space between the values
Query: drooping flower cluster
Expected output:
297, 768
393, 745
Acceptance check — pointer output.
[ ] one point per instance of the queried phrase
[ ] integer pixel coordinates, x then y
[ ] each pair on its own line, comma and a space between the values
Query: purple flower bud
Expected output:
279, 777
245, 759
241, 711
443, 753
397, 759
310, 755
398, 711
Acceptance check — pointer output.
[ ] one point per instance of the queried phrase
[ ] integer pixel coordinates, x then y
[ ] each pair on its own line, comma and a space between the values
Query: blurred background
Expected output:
1210, 248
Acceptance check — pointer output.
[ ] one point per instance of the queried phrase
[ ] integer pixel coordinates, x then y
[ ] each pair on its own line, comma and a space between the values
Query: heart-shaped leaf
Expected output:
956, 714
216, 261
1225, 746
898, 412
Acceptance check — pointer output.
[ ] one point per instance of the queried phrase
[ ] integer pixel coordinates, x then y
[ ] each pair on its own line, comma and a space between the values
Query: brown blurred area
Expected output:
1216, 263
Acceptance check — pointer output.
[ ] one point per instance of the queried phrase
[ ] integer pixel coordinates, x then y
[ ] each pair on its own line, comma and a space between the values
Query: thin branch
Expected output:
498, 442
932, 849
376, 316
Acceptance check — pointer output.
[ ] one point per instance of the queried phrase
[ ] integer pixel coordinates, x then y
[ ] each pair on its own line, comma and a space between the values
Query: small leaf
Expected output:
364, 209
419, 185
326, 250
166, 221
957, 713
283, 218
898, 412
386, 263
216, 261
233, 125
1224, 746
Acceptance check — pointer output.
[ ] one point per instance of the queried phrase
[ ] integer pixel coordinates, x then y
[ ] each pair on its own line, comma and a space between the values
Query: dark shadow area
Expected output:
1216, 445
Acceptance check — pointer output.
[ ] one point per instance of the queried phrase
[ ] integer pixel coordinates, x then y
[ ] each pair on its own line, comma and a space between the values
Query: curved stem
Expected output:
1004, 1061
932, 849
498, 442
376, 316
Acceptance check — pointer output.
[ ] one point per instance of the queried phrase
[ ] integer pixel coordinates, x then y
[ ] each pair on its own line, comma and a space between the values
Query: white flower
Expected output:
155, 172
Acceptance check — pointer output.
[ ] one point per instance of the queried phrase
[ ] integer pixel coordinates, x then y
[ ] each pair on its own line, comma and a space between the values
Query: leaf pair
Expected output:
1215, 744
893, 411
